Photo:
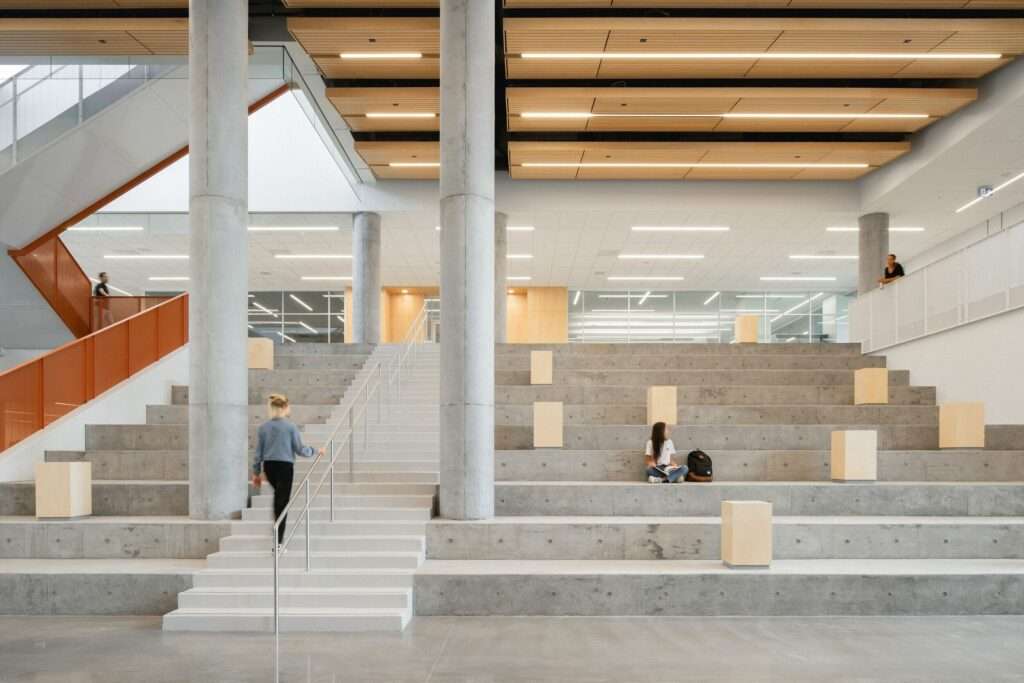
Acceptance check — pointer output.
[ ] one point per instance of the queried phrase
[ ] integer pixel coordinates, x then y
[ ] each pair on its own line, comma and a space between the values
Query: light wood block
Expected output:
854, 455
746, 329
746, 533
63, 489
547, 424
541, 367
962, 425
870, 386
261, 354
661, 405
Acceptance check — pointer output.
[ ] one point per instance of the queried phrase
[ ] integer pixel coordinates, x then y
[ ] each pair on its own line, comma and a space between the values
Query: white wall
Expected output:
11, 357
981, 361
123, 404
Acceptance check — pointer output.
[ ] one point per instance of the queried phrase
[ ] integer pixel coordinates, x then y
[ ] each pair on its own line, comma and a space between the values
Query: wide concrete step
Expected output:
319, 361
727, 437
951, 465
367, 527
346, 488
787, 498
727, 415
382, 465
317, 578
734, 395
698, 538
301, 395
282, 380
361, 501
341, 476
660, 348
318, 349
110, 538
146, 464
261, 620
296, 558
331, 544
645, 378
342, 513
249, 597
695, 361
708, 588
300, 414
124, 498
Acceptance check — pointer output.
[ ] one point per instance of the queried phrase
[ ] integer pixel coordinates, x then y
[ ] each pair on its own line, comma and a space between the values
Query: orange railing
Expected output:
34, 394
107, 310
58, 277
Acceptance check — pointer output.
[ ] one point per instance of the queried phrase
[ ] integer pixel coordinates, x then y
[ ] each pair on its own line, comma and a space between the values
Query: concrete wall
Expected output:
12, 357
123, 404
981, 361
28, 320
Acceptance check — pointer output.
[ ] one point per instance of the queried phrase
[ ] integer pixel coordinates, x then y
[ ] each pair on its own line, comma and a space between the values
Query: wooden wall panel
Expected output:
404, 308
547, 314
517, 330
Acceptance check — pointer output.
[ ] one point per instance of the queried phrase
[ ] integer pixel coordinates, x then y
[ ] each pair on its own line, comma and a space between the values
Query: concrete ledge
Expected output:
706, 588
129, 465
685, 360
167, 498
305, 395
505, 350
733, 377
110, 538
99, 587
300, 414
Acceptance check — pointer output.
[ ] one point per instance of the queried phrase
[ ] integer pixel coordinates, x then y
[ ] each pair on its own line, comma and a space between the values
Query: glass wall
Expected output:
706, 316
291, 317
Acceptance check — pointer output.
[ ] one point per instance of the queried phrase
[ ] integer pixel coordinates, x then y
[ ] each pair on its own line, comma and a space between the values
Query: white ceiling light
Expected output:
309, 328
169, 278
518, 278
660, 257
674, 164
286, 337
576, 299
112, 228
146, 257
582, 115
856, 229
800, 56
340, 318
264, 309
520, 228
795, 278
519, 256
997, 188
643, 299
632, 296
312, 256
316, 278
769, 296
711, 298
294, 228
679, 228
414, 164
300, 302
644, 278
400, 115
823, 257
381, 55
116, 289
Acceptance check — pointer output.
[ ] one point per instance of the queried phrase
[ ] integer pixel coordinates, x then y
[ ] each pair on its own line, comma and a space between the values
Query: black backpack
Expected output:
699, 463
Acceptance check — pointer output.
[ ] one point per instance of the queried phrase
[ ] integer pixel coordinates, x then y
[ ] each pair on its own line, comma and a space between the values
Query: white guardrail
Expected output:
979, 281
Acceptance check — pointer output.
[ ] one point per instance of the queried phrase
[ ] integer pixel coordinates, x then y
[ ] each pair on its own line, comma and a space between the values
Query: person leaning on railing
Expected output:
277, 445
101, 291
893, 271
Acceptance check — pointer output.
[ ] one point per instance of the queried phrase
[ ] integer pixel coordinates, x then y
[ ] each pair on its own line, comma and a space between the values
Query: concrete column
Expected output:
500, 278
467, 259
218, 216
873, 241
365, 278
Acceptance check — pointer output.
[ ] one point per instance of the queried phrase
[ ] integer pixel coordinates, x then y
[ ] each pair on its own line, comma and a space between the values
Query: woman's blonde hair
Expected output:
277, 404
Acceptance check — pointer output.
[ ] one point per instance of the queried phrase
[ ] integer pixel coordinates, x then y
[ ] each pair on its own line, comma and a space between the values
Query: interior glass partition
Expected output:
290, 317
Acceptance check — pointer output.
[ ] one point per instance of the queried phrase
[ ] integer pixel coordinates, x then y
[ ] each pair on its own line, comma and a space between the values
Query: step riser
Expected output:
697, 362
300, 579
650, 348
426, 502
320, 362
705, 396
227, 601
130, 499
113, 540
263, 529
297, 624
341, 514
132, 465
319, 544
645, 378
258, 396
300, 415
293, 560
701, 541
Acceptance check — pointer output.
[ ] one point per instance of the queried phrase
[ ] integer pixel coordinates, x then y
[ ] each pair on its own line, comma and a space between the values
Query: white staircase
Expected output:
363, 562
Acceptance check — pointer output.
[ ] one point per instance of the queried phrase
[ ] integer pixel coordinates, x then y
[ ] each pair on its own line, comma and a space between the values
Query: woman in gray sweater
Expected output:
276, 447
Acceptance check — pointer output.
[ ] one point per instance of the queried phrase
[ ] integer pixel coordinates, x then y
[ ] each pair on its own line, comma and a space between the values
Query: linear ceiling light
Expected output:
315, 278
294, 228
415, 164
576, 299
146, 257
116, 289
797, 278
711, 298
660, 257
644, 278
680, 228
520, 228
111, 228
381, 55
300, 302
824, 56
312, 256
400, 115
519, 256
856, 229
823, 257
678, 164
308, 327
632, 296
169, 278
997, 188
585, 115
518, 278
264, 309
286, 337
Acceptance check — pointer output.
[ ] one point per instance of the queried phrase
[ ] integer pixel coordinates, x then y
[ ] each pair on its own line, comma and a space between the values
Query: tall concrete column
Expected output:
873, 247
467, 259
366, 278
218, 449
500, 278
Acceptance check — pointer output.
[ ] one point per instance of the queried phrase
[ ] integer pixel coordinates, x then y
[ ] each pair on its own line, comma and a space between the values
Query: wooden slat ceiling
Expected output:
93, 4
93, 36
755, 35
769, 4
326, 38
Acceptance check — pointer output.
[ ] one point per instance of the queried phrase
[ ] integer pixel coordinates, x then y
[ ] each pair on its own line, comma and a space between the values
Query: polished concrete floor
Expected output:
518, 650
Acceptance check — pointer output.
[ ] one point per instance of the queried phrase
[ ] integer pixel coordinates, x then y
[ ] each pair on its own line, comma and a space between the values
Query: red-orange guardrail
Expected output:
58, 277
35, 393
107, 310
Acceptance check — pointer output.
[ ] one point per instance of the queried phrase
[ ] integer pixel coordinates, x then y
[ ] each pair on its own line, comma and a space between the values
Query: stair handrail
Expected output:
382, 379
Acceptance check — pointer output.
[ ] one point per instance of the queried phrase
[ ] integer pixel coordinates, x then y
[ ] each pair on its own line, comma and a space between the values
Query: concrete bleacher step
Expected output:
397, 468
318, 577
109, 497
301, 395
698, 538
696, 361
345, 488
600, 349
320, 542
341, 620
296, 558
235, 597
708, 588
318, 361
787, 498
323, 514
300, 414
129, 464
355, 500
367, 527
734, 377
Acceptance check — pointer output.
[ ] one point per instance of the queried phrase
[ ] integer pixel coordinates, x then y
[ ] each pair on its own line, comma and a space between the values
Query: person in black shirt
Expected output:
101, 288
893, 270
101, 292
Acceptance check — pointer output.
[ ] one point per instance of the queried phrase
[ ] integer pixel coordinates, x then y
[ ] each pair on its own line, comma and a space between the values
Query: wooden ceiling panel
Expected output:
847, 68
783, 125
90, 36
771, 4
747, 173
383, 153
646, 40
335, 67
93, 4
566, 40
860, 41
627, 173
548, 100
346, 4
517, 68
616, 69
886, 125
683, 100
653, 124
355, 103
829, 101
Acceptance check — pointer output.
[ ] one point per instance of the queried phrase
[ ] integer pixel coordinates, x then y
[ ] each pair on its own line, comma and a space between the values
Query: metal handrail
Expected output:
377, 372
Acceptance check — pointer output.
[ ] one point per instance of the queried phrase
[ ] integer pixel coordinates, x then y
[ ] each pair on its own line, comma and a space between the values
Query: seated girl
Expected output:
660, 449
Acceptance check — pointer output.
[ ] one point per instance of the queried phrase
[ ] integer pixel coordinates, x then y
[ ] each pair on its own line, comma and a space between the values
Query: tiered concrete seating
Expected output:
579, 531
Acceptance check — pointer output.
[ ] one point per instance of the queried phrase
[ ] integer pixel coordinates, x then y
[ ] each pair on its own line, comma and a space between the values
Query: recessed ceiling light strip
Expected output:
997, 188
680, 164
800, 56
840, 116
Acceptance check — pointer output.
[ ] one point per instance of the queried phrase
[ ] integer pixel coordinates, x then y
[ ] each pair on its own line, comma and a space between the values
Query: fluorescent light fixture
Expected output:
520, 228
823, 257
799, 56
576, 299
294, 228
711, 298
321, 278
300, 302
661, 257
644, 278
679, 228
855, 229
381, 55
632, 296
340, 318
251, 327
643, 299
286, 337
146, 257
116, 289
769, 296
264, 309
797, 278
169, 278
400, 115
582, 115
112, 228
906, 229
312, 256
518, 278
437, 227
308, 328
415, 164
841, 229
680, 164
405, 291
518, 256
995, 189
